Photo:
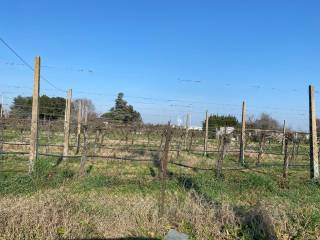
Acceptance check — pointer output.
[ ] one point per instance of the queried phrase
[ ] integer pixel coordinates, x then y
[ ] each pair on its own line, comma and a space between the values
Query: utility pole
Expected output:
35, 116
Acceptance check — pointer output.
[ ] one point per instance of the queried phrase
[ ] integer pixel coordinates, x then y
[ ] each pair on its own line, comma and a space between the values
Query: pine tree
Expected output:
123, 112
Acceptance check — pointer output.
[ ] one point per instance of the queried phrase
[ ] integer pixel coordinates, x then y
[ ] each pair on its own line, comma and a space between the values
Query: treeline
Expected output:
50, 107
53, 108
264, 121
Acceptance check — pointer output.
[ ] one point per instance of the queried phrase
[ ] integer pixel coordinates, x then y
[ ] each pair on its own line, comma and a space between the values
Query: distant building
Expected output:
195, 128
223, 130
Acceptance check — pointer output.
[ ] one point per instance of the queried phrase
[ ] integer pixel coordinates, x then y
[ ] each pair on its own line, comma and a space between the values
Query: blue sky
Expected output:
201, 54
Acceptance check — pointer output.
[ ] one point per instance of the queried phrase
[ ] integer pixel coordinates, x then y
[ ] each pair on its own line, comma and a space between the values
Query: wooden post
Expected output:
96, 140
48, 136
148, 137
163, 169
294, 147
161, 141
79, 119
284, 136
224, 146
67, 118
298, 145
85, 115
261, 146
314, 167
187, 130
191, 141
127, 135
285, 160
2, 123
85, 144
206, 135
101, 141
180, 142
1, 110
35, 116
133, 134
243, 134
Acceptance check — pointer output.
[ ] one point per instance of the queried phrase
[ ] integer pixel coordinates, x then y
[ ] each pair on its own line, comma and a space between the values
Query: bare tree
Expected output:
265, 121
85, 102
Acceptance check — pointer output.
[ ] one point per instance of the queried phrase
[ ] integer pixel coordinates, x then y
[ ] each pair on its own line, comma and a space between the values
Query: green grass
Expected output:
295, 203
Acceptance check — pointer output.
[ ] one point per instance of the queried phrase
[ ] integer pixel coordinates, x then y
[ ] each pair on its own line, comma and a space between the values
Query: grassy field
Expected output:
120, 199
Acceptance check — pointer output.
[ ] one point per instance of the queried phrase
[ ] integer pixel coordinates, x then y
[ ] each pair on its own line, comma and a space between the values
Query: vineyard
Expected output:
113, 179
159, 120
85, 176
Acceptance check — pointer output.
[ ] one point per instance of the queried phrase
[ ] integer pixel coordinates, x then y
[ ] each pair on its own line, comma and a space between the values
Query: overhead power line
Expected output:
16, 54
74, 69
27, 64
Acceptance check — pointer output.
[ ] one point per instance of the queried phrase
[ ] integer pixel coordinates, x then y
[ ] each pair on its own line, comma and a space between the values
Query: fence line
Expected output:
103, 134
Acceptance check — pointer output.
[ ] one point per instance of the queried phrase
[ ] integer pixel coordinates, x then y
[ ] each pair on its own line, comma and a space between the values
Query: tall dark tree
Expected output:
216, 121
123, 112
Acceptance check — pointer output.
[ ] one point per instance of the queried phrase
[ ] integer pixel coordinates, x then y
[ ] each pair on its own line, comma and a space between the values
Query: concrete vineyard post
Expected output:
35, 116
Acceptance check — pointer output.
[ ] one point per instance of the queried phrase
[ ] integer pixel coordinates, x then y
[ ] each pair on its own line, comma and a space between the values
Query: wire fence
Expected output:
154, 158
108, 139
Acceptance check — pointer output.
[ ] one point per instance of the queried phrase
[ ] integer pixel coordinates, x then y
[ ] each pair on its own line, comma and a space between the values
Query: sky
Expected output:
168, 57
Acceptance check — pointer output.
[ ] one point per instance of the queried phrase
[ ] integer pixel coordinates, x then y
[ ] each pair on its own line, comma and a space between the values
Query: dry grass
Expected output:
61, 213
55, 213
248, 204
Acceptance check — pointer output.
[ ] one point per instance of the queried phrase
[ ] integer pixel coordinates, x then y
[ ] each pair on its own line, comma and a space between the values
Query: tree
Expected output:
49, 107
85, 102
264, 122
318, 127
123, 112
216, 121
